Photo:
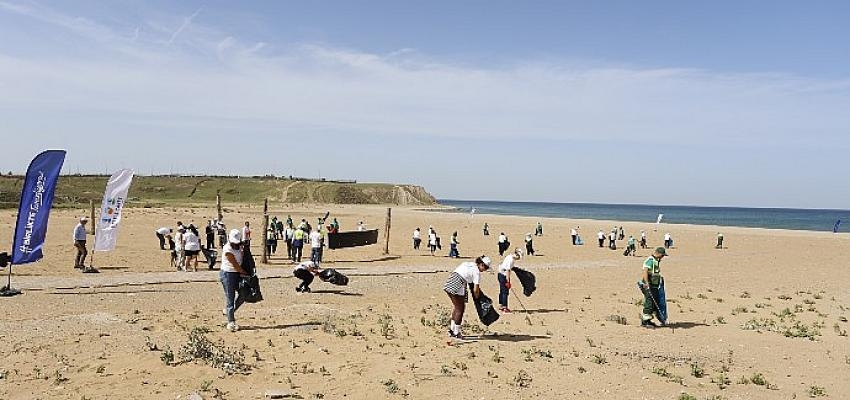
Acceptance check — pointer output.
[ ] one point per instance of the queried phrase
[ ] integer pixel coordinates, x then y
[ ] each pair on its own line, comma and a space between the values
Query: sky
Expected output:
727, 103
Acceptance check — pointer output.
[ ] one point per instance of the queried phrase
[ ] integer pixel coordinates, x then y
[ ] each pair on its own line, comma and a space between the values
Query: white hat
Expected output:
235, 236
84, 219
486, 261
518, 252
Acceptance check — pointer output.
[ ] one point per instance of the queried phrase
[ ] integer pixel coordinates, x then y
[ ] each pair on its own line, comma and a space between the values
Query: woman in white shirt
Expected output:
230, 275
432, 240
417, 238
192, 247
456, 287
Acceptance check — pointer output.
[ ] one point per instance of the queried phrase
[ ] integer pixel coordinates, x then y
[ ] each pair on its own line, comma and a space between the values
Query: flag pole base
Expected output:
7, 291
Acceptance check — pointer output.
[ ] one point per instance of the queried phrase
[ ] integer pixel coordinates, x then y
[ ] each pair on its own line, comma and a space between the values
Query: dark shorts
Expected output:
191, 253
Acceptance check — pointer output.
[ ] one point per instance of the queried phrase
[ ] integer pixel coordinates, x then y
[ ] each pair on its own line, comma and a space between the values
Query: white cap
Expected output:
486, 261
84, 219
235, 236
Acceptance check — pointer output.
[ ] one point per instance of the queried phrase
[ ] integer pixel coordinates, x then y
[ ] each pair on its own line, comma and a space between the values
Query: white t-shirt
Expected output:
416, 234
361, 227
503, 238
600, 235
315, 239
469, 272
163, 231
667, 236
642, 235
573, 232
432, 239
288, 233
192, 241
506, 265
305, 265
612, 236
225, 263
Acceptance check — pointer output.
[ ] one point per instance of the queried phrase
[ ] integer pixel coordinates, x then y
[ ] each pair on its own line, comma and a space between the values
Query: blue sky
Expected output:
705, 103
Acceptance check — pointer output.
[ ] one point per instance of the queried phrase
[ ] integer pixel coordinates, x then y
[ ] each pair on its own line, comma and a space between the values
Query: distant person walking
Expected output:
719, 241
464, 275
574, 234
601, 237
432, 240
453, 252
486, 229
316, 243
209, 231
529, 244
222, 233
538, 231
361, 226
622, 234
504, 277
80, 243
631, 246
246, 234
288, 234
642, 239
668, 240
230, 275
161, 233
612, 240
271, 240
503, 243
650, 283
417, 238
298, 244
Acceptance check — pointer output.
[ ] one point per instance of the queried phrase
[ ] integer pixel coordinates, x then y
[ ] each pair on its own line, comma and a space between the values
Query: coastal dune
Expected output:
763, 318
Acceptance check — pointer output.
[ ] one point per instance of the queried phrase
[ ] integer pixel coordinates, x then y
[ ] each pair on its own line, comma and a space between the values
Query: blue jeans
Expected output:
503, 291
453, 251
230, 282
316, 255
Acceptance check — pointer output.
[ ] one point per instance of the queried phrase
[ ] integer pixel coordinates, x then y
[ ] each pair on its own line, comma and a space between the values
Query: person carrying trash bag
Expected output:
467, 273
652, 286
230, 276
504, 277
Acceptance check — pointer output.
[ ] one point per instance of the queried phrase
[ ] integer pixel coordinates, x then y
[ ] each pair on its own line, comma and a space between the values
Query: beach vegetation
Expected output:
522, 379
816, 391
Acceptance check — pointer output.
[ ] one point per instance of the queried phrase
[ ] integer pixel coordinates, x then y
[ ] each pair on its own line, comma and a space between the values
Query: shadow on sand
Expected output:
302, 325
684, 325
544, 311
335, 291
509, 337
379, 259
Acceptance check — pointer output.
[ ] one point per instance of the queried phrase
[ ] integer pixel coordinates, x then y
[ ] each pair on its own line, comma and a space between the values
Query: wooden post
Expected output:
91, 204
387, 229
218, 203
265, 258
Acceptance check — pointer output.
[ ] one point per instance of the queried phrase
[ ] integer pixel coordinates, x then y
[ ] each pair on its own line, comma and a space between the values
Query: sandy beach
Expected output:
763, 318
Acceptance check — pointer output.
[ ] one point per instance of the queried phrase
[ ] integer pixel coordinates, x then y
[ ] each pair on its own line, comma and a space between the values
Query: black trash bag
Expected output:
484, 306
249, 289
527, 280
248, 261
333, 277
625, 253
210, 256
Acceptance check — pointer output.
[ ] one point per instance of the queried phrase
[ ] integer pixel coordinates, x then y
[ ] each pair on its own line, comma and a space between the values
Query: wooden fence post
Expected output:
265, 258
387, 229
218, 203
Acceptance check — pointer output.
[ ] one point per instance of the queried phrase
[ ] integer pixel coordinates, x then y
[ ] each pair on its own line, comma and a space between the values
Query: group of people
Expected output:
184, 242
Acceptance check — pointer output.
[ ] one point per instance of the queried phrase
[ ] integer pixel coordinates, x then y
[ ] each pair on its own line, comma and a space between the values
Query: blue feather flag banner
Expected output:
34, 210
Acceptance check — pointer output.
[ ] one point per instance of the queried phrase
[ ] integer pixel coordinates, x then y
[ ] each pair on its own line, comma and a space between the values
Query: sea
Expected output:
769, 218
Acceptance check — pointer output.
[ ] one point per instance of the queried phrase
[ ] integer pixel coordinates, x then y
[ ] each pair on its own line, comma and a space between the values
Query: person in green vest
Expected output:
649, 284
632, 246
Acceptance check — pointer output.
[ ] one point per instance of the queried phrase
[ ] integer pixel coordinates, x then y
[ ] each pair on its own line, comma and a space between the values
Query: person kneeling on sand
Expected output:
504, 277
230, 275
456, 287
650, 283
305, 271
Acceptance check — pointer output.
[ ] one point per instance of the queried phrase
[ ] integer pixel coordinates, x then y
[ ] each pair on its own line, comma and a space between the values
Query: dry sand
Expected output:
75, 336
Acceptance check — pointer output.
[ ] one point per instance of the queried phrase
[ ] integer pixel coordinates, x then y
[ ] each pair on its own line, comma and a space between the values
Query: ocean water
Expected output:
771, 218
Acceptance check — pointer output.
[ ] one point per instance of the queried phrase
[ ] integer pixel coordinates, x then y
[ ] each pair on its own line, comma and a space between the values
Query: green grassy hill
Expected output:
155, 191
